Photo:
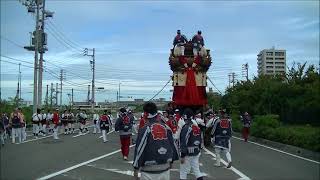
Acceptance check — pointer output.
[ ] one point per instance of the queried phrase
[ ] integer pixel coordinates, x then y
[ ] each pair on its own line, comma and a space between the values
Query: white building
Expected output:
271, 62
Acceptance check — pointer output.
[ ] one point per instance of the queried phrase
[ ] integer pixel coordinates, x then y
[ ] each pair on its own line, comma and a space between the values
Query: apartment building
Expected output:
271, 61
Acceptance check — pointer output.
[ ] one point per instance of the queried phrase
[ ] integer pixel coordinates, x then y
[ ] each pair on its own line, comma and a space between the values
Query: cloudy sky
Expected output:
132, 41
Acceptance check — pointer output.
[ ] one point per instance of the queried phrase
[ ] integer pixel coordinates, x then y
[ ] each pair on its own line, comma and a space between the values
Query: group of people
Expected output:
180, 40
13, 126
164, 137
44, 123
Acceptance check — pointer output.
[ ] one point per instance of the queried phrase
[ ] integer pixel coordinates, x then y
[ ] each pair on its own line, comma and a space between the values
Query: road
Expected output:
87, 157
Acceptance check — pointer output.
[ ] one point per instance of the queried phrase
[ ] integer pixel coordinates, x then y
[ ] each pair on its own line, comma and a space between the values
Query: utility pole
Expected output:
51, 93
119, 92
117, 96
57, 94
36, 45
18, 86
88, 98
93, 75
229, 75
93, 78
20, 82
245, 71
72, 97
233, 75
62, 77
35, 73
41, 51
47, 95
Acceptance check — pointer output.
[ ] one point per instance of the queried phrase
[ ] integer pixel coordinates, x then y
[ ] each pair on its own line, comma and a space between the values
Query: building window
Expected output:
282, 63
279, 58
269, 53
269, 62
269, 67
269, 58
279, 53
269, 71
279, 67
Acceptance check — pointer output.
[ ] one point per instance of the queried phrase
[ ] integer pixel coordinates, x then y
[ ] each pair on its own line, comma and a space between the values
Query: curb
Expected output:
284, 147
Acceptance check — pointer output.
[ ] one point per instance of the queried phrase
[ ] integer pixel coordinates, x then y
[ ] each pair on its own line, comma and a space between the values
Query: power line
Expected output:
18, 45
57, 29
15, 63
62, 41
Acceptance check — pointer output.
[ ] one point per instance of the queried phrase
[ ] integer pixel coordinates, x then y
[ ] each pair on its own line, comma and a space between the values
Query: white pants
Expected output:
44, 128
202, 52
104, 135
55, 132
2, 134
96, 127
24, 133
191, 162
152, 176
16, 131
178, 50
35, 129
226, 152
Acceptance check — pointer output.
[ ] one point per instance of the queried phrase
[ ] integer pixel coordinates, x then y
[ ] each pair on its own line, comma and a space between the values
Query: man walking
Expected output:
246, 121
155, 148
124, 126
190, 145
56, 123
16, 124
105, 125
221, 133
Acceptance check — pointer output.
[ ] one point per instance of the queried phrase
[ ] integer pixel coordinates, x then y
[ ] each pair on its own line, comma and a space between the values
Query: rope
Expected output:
160, 90
214, 86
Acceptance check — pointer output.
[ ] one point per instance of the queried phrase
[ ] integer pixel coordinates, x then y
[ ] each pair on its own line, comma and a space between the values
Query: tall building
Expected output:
271, 62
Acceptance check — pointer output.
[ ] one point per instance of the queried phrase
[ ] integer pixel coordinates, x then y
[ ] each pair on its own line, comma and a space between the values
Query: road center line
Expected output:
79, 165
243, 176
306, 159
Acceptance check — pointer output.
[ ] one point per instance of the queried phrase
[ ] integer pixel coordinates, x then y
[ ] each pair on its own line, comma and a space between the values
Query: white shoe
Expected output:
125, 158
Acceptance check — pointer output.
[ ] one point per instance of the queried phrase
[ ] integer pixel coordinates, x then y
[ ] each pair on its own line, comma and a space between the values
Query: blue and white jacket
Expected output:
124, 125
155, 148
222, 132
190, 139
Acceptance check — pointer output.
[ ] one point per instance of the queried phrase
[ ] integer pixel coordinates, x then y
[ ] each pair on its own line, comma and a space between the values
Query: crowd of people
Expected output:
162, 136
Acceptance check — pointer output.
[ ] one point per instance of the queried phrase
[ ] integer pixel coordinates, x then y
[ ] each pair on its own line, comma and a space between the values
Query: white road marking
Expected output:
79, 165
306, 159
36, 139
82, 134
243, 176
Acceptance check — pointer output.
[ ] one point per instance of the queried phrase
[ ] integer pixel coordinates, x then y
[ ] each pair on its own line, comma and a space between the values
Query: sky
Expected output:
132, 41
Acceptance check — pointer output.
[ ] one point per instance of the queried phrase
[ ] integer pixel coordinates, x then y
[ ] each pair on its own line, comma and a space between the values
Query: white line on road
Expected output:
36, 139
306, 159
243, 176
82, 134
79, 165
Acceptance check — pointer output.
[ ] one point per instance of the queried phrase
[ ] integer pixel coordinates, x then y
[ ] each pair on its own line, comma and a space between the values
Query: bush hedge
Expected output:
269, 127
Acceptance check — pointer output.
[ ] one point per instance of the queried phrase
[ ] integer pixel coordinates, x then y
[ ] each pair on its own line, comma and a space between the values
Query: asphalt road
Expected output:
87, 157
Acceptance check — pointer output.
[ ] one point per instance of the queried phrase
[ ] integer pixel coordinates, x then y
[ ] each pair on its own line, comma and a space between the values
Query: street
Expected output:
87, 157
